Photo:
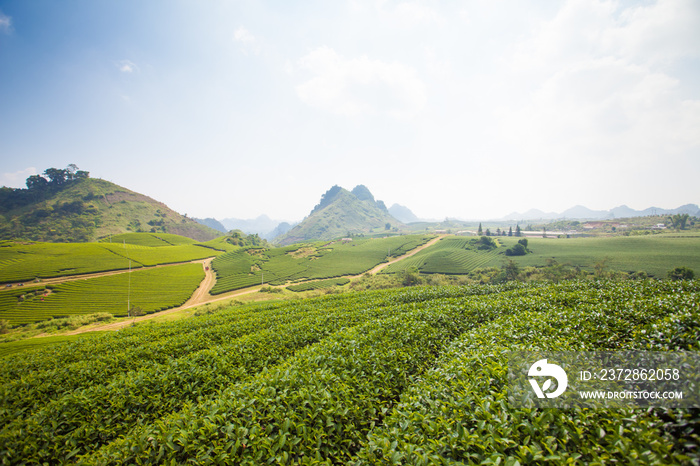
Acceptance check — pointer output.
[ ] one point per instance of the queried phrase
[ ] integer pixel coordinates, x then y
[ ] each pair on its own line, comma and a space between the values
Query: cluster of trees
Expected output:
55, 178
679, 220
499, 232
39, 187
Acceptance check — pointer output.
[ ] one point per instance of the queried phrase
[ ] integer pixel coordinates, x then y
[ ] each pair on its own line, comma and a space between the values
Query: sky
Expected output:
467, 109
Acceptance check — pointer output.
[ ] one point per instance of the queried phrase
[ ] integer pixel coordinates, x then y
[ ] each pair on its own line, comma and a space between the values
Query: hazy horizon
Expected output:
233, 109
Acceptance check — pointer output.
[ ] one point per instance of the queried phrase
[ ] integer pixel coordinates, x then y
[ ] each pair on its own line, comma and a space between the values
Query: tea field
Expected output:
405, 376
249, 267
23, 262
653, 254
151, 290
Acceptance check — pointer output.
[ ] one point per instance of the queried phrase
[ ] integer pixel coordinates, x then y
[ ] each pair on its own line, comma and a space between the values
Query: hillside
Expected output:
86, 209
341, 213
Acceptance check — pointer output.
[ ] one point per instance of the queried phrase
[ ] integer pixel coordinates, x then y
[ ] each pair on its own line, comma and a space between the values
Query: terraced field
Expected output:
243, 268
23, 262
451, 255
410, 376
151, 290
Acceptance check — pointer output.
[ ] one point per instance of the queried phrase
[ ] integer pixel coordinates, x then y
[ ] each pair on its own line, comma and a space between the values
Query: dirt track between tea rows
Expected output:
202, 294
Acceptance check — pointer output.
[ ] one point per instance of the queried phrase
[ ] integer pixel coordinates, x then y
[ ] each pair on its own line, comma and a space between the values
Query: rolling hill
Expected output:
87, 209
340, 213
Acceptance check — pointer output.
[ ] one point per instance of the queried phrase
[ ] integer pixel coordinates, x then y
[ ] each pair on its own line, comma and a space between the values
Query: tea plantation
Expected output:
248, 267
654, 255
407, 376
151, 290
21, 262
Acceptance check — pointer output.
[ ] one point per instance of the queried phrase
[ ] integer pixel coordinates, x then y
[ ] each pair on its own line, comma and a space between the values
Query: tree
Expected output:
510, 231
544, 232
681, 273
480, 232
518, 231
37, 183
57, 176
511, 270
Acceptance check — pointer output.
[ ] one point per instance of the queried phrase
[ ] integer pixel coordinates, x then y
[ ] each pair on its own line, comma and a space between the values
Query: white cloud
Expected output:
600, 88
127, 66
357, 86
5, 23
402, 13
18, 179
249, 43
651, 34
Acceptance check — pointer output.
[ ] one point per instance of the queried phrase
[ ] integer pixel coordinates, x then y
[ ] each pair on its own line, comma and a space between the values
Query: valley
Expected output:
351, 338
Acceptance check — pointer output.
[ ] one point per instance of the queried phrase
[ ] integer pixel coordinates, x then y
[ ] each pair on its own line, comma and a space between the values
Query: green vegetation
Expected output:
149, 239
319, 284
254, 266
410, 376
681, 273
653, 255
451, 255
36, 343
28, 261
152, 290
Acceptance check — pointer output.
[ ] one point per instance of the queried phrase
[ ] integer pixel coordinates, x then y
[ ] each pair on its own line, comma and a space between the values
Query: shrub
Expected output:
681, 273
517, 250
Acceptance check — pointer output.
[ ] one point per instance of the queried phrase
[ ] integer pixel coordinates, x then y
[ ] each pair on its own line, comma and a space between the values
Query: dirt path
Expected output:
410, 253
202, 296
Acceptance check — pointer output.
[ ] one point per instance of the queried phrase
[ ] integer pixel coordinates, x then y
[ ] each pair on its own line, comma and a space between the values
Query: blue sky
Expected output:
468, 109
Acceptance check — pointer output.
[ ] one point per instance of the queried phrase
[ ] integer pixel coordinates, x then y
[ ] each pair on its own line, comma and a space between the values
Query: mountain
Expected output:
339, 213
532, 214
212, 223
281, 229
261, 225
86, 209
402, 213
581, 212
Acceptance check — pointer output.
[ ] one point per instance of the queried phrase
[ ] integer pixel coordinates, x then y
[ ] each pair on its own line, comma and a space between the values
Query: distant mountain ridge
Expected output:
212, 223
403, 213
584, 213
341, 212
